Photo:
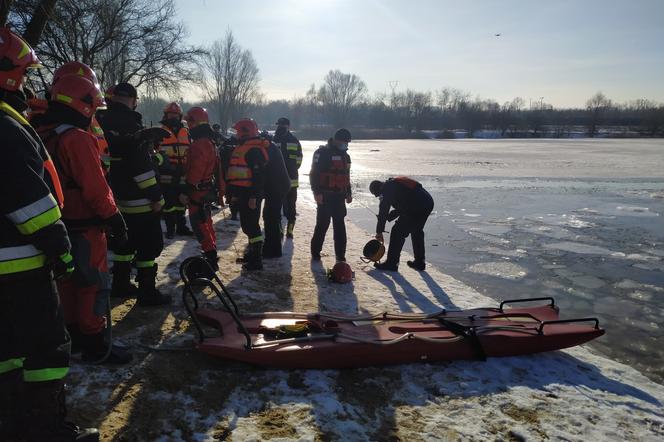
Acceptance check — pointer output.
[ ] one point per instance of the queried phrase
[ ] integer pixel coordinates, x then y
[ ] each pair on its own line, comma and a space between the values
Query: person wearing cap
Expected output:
34, 250
330, 183
277, 185
291, 150
133, 178
412, 207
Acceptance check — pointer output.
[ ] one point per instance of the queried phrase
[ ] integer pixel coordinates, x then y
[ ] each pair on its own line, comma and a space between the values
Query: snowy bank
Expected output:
170, 393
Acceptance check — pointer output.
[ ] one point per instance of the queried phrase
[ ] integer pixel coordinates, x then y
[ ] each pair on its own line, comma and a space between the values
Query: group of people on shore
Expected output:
82, 175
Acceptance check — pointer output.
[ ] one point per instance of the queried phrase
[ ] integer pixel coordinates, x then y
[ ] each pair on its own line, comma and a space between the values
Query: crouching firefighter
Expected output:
245, 179
412, 207
89, 210
34, 248
200, 171
137, 195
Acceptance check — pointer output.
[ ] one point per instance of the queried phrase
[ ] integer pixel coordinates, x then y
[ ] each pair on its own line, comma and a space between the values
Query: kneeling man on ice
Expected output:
412, 207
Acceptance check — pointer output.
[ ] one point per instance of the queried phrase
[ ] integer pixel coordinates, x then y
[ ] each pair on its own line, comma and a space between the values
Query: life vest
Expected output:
239, 173
51, 175
337, 177
175, 145
407, 182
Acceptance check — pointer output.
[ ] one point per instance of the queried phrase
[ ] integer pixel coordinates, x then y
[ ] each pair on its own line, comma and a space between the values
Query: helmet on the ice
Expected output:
341, 273
373, 251
78, 93
16, 57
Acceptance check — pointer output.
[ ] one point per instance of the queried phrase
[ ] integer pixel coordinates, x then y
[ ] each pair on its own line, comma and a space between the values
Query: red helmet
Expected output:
341, 273
197, 116
79, 93
74, 68
16, 57
246, 128
173, 108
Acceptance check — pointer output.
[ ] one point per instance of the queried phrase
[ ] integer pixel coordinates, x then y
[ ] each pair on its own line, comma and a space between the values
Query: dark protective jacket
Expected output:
406, 196
246, 171
330, 171
30, 227
277, 181
132, 175
291, 149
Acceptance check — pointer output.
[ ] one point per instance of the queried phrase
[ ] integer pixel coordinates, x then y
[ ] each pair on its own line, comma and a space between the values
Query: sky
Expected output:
558, 51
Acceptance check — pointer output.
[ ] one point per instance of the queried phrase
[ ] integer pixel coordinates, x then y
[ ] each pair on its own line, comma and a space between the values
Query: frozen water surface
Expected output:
580, 220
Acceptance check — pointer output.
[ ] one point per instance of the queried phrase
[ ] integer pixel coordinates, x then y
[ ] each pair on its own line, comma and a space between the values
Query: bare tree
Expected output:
339, 93
232, 79
596, 106
123, 40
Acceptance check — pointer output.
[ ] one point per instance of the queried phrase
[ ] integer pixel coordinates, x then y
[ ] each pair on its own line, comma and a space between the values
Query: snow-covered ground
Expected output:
170, 393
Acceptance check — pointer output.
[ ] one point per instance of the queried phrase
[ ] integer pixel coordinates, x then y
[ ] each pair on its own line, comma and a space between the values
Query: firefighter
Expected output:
137, 194
225, 153
171, 171
34, 248
83, 70
330, 183
277, 185
291, 149
245, 184
200, 171
412, 207
89, 209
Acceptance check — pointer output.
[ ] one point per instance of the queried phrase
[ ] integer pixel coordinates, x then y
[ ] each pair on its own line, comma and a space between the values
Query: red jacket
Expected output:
88, 198
202, 167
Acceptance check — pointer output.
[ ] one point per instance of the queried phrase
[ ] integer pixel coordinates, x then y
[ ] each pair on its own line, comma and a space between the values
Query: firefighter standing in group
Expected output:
412, 207
330, 183
201, 189
89, 210
225, 153
171, 170
245, 184
137, 194
291, 149
34, 248
277, 185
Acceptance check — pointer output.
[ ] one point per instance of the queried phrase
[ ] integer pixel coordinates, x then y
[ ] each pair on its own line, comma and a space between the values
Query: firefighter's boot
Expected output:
122, 286
148, 295
255, 259
45, 413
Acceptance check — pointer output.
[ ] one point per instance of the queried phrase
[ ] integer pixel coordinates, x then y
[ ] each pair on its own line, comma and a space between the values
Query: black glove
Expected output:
394, 214
62, 266
117, 237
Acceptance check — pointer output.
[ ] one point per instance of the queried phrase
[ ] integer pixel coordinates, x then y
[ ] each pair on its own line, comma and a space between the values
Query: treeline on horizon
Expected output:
449, 113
